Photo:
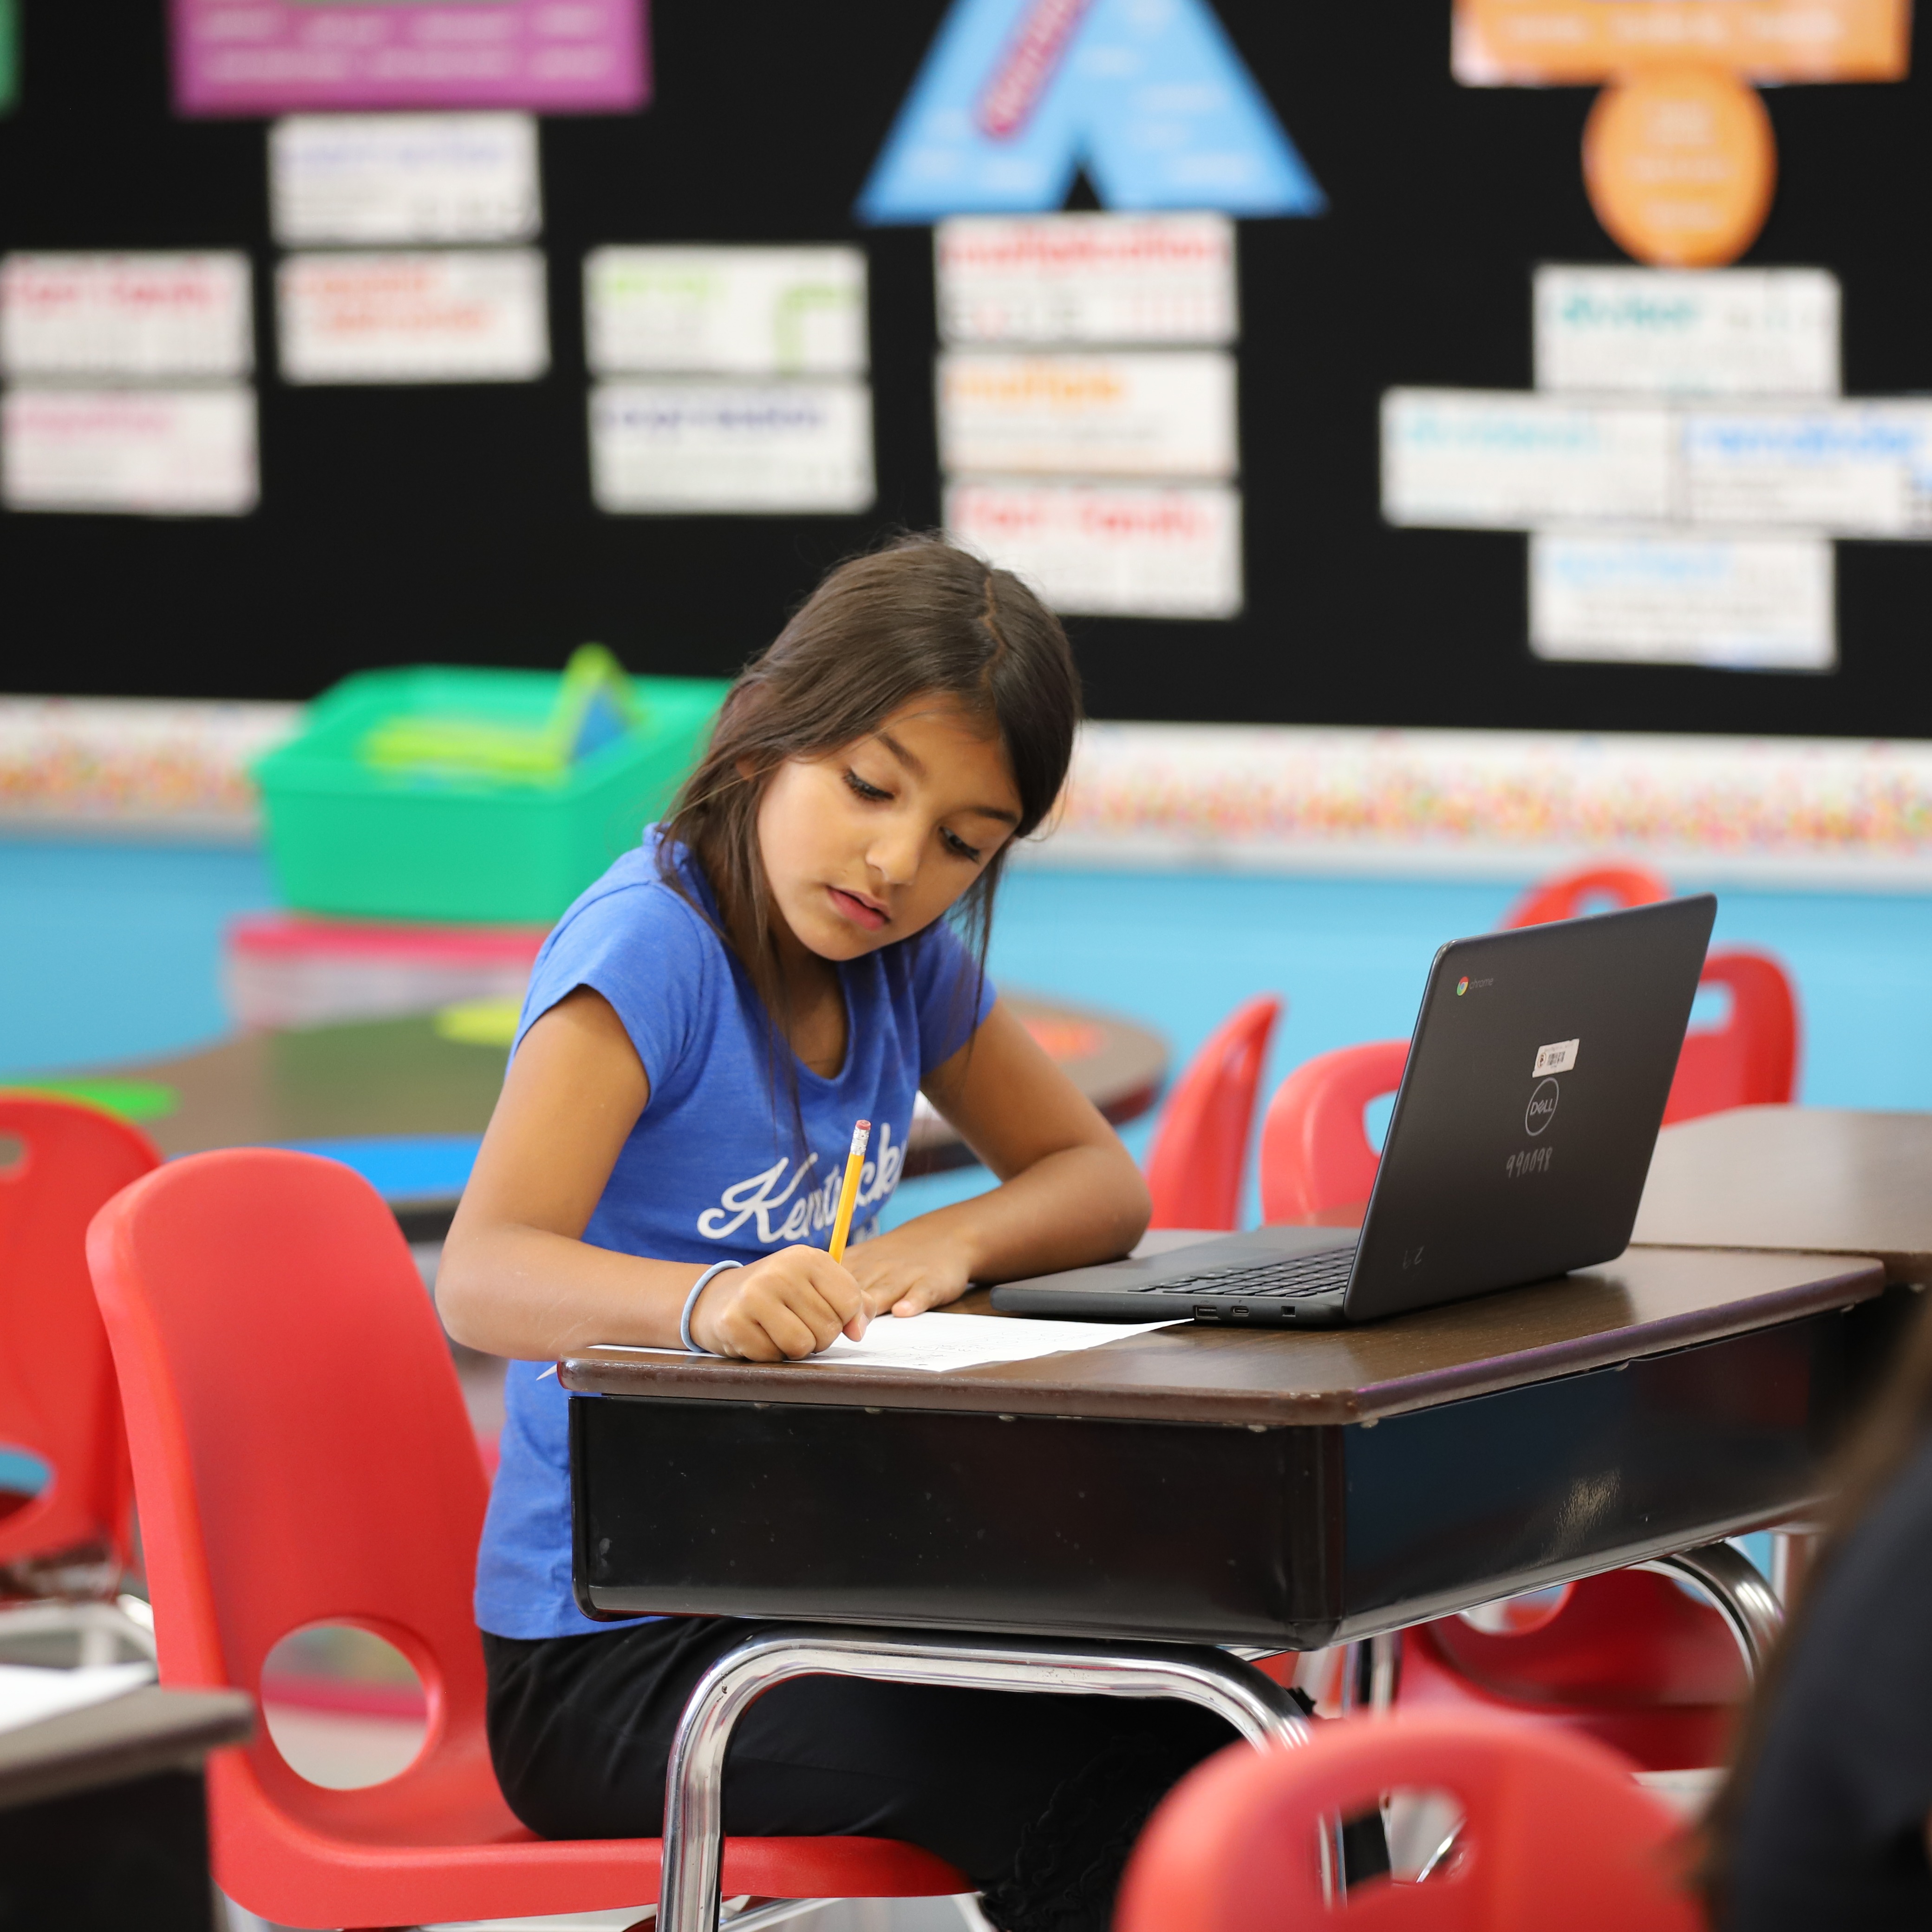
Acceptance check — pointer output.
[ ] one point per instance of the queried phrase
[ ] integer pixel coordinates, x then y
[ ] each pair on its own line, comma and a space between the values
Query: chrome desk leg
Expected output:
1259, 1709
1736, 1590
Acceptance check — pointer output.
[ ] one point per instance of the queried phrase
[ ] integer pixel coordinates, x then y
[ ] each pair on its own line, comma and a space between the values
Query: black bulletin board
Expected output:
456, 524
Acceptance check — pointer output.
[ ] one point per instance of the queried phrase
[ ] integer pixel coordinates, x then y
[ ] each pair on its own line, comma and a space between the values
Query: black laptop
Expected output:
1521, 1138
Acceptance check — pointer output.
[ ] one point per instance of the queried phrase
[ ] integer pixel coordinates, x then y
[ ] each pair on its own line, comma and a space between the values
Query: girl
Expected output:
701, 1030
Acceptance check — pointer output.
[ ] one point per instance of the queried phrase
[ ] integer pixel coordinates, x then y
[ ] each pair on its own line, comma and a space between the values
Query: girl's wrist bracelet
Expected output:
697, 1288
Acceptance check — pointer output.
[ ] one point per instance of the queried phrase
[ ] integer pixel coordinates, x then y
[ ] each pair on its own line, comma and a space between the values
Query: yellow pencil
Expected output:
848, 1194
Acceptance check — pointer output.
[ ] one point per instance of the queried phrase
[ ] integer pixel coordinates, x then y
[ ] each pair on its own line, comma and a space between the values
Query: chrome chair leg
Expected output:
1734, 1587
1257, 1708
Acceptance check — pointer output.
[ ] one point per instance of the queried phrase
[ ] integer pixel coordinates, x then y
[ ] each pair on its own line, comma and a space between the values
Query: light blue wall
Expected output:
111, 952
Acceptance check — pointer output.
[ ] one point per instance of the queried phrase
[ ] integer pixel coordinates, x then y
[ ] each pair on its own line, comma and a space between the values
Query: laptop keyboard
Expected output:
1287, 1280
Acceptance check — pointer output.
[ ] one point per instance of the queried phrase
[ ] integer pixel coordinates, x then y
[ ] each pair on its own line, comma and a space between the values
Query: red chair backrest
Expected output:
1557, 1834
58, 1163
301, 1448
1571, 893
1315, 1155
1200, 1152
1752, 1059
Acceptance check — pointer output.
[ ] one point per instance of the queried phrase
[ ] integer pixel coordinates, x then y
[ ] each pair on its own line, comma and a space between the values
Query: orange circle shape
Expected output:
1680, 165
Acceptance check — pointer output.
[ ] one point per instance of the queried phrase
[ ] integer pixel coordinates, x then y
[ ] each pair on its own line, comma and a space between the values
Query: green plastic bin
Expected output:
345, 838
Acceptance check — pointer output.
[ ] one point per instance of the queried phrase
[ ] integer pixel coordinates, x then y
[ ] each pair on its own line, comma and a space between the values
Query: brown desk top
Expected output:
1646, 1302
1823, 1179
147, 1730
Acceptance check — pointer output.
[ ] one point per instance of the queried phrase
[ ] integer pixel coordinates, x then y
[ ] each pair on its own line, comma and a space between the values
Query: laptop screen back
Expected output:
1536, 1083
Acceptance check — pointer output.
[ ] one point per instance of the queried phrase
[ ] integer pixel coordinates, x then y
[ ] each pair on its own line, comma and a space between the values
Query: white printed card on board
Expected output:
375, 178
673, 311
1483, 460
1110, 549
1855, 470
133, 316
1129, 414
448, 316
1678, 332
793, 448
151, 452
1755, 604
1086, 278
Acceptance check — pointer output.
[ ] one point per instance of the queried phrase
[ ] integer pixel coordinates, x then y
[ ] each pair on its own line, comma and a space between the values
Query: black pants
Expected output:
1037, 1798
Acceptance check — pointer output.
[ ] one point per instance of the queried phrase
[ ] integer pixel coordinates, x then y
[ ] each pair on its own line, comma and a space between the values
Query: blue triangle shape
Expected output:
1148, 95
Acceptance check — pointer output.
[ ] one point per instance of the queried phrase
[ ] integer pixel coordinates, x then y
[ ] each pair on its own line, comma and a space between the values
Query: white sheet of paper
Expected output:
748, 449
375, 178
1850, 469
450, 316
1674, 331
145, 315
1138, 413
1743, 603
1086, 278
938, 1342
708, 311
29, 1693
148, 452
1492, 460
1111, 549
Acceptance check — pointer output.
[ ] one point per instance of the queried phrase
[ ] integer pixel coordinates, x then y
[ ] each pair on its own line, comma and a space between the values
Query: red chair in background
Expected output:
1555, 1833
1199, 1156
1751, 1060
1571, 894
64, 1551
302, 1457
1315, 1155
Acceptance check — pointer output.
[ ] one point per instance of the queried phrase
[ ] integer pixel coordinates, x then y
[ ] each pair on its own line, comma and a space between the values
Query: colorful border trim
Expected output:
1828, 811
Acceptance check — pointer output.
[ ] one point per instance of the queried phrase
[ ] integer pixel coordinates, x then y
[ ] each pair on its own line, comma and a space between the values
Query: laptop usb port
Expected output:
1239, 1313
1206, 1312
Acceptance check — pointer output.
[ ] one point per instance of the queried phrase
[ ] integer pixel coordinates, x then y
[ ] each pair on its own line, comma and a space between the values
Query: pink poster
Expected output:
277, 56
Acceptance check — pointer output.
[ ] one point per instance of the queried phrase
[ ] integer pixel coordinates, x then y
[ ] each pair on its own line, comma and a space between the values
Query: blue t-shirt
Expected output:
713, 1170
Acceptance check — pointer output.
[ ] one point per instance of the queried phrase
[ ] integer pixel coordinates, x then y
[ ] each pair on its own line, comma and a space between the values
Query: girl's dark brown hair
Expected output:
917, 618
1899, 1423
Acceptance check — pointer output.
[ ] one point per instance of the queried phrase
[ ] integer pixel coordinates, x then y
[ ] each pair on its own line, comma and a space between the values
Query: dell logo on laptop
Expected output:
1542, 1109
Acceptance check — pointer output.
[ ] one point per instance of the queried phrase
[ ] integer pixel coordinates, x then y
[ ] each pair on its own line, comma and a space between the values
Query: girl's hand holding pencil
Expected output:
793, 1303
787, 1306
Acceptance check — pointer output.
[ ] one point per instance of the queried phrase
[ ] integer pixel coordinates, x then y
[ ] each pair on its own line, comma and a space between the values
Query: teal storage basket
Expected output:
346, 837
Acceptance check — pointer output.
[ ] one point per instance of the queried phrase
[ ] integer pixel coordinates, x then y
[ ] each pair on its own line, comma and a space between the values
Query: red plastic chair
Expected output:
1751, 1060
1571, 893
1627, 1658
1556, 1834
58, 1163
1315, 1155
302, 1456
1200, 1152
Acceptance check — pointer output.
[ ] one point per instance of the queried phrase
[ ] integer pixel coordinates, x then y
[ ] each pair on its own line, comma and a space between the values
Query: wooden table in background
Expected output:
373, 1078
1281, 1489
1826, 1179
104, 1823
